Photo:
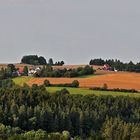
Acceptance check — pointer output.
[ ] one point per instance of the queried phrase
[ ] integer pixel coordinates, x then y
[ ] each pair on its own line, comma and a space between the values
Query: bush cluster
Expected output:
115, 89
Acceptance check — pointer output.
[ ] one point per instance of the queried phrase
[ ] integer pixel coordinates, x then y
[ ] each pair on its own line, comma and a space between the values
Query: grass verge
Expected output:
84, 91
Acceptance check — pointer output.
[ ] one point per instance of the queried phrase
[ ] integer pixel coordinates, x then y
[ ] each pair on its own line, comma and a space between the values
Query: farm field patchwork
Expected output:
84, 91
123, 80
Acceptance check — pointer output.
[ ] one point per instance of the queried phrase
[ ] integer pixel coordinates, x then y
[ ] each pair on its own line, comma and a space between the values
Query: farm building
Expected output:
106, 67
34, 70
20, 71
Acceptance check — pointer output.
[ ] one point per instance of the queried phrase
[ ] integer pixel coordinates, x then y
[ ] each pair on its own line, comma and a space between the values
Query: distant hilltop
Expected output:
39, 60
116, 65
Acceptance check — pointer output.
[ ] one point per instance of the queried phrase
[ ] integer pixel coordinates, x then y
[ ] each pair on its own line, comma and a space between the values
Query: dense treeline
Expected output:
39, 60
96, 117
9, 72
117, 64
115, 129
33, 60
48, 71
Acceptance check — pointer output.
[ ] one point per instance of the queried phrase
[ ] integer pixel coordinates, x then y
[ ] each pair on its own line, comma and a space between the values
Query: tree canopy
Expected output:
39, 60
48, 71
117, 64
33, 113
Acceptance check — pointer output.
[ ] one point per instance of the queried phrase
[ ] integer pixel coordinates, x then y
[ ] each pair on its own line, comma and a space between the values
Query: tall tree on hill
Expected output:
42, 61
33, 60
62, 63
25, 71
50, 62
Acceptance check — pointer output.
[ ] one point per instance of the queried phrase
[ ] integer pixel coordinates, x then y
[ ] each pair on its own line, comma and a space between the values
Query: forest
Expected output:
28, 113
117, 64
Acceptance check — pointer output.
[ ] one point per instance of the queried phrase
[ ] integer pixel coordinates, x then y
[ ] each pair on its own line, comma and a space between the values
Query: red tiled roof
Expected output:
21, 70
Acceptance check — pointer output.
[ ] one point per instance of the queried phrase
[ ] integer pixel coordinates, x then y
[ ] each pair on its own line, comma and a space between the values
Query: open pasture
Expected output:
84, 91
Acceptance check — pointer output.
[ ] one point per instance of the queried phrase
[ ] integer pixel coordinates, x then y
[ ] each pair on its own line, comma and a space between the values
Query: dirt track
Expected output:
113, 80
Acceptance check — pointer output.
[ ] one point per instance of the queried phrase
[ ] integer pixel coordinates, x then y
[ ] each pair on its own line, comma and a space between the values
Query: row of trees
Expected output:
117, 64
48, 71
74, 84
96, 117
39, 60
105, 88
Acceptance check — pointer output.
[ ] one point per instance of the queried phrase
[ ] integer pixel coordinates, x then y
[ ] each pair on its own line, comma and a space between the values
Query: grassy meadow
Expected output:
85, 91
21, 80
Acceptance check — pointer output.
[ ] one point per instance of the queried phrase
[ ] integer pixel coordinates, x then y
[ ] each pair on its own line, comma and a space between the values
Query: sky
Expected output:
71, 30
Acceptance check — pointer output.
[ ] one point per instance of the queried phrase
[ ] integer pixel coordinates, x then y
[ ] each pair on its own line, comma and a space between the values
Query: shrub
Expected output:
65, 135
64, 91
47, 83
105, 87
115, 89
75, 83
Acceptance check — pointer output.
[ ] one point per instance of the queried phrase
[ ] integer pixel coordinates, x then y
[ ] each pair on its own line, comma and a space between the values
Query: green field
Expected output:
21, 80
84, 91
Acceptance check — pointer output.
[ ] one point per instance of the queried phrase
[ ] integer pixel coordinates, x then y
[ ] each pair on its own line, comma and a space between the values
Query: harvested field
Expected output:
113, 80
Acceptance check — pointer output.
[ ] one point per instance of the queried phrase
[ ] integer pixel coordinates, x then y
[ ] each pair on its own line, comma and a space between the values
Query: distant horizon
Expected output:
18, 62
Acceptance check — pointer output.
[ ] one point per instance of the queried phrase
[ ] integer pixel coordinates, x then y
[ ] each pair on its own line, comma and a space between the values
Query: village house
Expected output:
115, 70
33, 70
20, 71
106, 67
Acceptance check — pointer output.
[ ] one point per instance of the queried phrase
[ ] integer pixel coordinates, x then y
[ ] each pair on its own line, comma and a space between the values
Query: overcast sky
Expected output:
71, 30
